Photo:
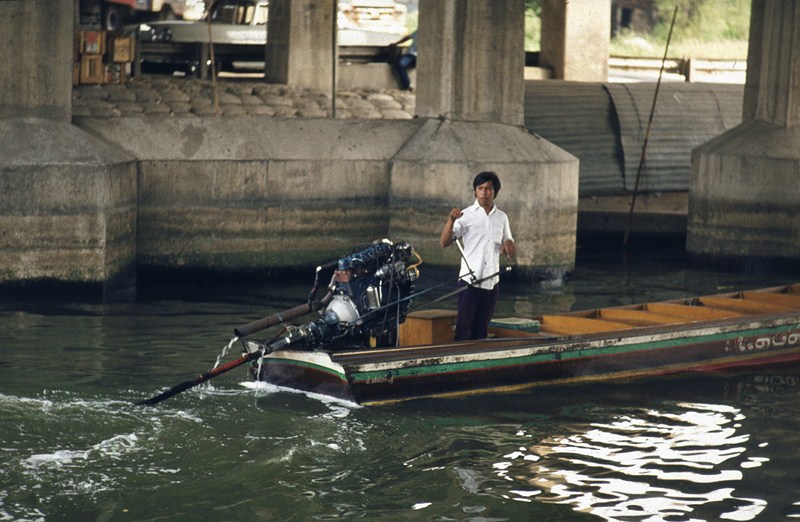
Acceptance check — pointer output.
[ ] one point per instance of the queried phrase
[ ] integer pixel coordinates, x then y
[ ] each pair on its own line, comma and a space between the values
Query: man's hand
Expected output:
446, 237
455, 213
509, 249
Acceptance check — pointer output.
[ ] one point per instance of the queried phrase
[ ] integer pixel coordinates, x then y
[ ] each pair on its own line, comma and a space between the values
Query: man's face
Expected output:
485, 194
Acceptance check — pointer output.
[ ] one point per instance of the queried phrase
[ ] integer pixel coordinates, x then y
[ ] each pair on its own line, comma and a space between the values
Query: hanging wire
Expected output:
647, 132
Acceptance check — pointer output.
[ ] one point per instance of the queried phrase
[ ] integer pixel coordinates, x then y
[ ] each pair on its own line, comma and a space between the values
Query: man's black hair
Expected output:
485, 176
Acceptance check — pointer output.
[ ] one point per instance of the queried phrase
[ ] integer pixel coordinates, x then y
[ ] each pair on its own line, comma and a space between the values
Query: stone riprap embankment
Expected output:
172, 96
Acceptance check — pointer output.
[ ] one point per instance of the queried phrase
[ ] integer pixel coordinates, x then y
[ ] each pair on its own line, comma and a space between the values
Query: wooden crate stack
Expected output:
102, 57
120, 58
89, 63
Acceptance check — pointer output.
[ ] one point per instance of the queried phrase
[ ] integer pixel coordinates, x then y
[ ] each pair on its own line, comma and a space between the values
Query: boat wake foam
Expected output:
114, 447
271, 388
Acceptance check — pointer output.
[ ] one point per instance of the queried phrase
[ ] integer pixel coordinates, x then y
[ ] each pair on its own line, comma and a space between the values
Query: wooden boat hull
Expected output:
504, 364
312, 372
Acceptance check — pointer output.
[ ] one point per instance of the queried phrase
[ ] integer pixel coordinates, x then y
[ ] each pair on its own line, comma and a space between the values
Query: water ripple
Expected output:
647, 466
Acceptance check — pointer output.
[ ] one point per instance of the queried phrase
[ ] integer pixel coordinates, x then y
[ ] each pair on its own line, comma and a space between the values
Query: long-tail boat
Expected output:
368, 347
695, 334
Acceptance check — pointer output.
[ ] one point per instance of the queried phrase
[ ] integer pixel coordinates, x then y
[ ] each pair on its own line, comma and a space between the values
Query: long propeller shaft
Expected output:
207, 376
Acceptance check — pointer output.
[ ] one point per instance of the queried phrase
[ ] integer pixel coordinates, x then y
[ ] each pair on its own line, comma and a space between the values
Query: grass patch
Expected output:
713, 29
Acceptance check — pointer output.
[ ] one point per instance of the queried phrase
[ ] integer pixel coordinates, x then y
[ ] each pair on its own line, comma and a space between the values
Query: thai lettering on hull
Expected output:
780, 340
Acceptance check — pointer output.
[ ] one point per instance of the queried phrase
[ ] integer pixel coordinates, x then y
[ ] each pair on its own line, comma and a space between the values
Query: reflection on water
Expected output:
632, 451
664, 464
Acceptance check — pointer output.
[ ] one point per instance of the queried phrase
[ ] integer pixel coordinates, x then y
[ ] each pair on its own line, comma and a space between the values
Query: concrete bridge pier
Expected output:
67, 199
470, 88
745, 184
575, 39
300, 43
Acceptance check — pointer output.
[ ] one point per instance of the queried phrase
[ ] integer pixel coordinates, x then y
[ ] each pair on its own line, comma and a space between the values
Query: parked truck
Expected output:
238, 31
114, 14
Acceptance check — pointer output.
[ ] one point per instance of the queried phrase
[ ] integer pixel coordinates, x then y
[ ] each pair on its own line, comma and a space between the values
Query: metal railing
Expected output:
689, 68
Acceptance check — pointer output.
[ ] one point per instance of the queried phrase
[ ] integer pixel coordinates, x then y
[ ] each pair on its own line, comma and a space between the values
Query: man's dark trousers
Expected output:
475, 310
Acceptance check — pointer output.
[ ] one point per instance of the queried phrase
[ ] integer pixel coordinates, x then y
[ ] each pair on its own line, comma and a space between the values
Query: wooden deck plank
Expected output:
694, 313
781, 299
741, 305
638, 317
569, 325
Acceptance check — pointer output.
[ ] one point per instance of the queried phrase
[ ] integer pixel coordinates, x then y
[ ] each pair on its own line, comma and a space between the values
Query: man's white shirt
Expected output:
484, 235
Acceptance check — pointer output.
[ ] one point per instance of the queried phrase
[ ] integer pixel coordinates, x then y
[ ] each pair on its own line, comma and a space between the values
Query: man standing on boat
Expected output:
486, 233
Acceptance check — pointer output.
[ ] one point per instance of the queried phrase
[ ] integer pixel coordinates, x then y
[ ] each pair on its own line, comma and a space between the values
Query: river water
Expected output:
72, 447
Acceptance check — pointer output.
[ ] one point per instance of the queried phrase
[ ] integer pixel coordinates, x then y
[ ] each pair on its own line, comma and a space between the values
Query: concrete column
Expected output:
36, 65
471, 60
300, 43
744, 185
772, 88
67, 199
575, 39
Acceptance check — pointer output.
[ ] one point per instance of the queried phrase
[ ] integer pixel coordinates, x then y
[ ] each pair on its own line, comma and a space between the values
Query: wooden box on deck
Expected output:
428, 327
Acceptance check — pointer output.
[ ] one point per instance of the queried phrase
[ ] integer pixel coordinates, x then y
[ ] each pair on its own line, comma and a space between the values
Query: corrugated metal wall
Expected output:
579, 117
604, 125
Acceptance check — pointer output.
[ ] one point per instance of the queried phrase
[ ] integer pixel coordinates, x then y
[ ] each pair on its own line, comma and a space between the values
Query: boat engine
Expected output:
369, 295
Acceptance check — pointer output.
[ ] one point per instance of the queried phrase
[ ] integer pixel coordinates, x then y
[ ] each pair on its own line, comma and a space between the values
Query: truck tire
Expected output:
113, 17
